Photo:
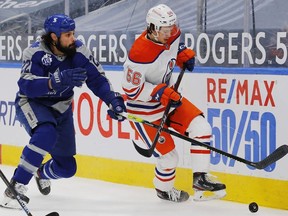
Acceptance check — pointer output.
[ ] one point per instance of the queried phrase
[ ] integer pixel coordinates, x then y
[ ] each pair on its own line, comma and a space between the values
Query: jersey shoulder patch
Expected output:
35, 44
78, 43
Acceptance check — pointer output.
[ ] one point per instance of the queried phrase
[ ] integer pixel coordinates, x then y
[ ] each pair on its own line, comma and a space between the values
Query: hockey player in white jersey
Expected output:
148, 84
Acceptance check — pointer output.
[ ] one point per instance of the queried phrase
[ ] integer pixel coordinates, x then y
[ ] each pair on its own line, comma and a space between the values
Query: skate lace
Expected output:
174, 194
20, 188
44, 183
211, 178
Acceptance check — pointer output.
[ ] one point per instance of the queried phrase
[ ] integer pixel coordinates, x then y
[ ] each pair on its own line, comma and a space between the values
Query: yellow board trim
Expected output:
240, 188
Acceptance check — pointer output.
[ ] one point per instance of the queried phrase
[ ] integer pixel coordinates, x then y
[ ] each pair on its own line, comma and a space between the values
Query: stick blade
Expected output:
273, 157
53, 214
143, 152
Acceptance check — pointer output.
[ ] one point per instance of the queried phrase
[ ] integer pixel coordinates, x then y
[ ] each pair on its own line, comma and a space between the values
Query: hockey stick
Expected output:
273, 157
16, 195
149, 152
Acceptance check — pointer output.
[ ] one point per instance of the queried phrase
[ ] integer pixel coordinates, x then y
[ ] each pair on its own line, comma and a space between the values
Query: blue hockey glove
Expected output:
116, 106
70, 77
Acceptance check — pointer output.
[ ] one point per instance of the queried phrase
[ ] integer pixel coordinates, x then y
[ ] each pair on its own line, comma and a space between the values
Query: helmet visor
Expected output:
169, 31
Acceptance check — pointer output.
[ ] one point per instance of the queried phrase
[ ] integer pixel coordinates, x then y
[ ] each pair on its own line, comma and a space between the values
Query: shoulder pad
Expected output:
146, 51
35, 44
78, 43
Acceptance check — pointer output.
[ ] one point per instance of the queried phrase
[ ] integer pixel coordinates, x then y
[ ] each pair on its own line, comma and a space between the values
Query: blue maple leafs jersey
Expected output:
39, 63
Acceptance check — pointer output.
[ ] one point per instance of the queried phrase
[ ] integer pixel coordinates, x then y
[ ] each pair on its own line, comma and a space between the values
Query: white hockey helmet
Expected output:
160, 16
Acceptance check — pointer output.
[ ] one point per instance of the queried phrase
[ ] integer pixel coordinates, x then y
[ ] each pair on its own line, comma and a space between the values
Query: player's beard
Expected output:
68, 51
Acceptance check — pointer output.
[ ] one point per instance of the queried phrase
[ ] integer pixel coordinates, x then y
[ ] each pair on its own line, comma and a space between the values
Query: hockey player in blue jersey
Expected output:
51, 68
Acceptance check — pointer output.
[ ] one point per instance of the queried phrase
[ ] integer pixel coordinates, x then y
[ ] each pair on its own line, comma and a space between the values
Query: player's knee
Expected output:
67, 166
168, 161
199, 127
44, 137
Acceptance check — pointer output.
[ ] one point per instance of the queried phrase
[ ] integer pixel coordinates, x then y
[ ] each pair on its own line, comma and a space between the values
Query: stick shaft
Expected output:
149, 152
17, 197
273, 157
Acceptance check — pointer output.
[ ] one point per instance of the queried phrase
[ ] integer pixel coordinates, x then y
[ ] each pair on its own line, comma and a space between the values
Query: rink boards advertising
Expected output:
221, 48
245, 109
240, 83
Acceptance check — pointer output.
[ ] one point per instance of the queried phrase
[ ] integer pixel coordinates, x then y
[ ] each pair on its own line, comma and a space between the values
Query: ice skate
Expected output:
9, 200
44, 185
202, 184
173, 195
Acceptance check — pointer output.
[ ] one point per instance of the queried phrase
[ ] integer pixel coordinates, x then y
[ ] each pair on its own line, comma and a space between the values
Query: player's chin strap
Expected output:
273, 157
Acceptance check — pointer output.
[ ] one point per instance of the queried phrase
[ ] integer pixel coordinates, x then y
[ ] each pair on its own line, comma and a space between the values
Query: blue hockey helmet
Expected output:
59, 23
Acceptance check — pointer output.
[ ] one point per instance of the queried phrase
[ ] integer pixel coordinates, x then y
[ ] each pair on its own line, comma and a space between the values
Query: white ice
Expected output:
85, 197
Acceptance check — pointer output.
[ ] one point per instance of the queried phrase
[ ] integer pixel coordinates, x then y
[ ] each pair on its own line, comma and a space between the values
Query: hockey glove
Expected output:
185, 57
116, 106
164, 94
70, 77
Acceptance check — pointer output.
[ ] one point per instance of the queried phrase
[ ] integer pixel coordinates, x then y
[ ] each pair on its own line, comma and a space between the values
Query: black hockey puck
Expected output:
253, 207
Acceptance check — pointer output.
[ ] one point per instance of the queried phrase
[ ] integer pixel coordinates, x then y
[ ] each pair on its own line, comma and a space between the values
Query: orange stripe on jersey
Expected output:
145, 113
141, 89
146, 51
165, 180
137, 90
169, 169
130, 90
199, 151
204, 137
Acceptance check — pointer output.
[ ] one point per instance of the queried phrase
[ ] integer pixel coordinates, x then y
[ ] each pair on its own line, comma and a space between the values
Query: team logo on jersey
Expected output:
169, 69
161, 140
46, 59
171, 64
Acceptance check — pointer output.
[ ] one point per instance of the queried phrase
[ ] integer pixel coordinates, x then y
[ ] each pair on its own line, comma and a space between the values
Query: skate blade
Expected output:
207, 196
9, 203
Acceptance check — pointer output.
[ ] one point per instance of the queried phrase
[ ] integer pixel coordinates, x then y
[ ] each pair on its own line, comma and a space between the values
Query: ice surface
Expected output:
86, 197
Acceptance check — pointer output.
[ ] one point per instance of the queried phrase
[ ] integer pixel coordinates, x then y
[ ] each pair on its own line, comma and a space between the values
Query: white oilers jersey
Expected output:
148, 65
